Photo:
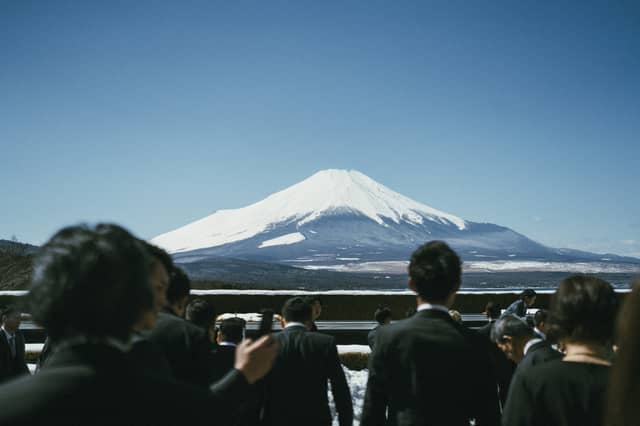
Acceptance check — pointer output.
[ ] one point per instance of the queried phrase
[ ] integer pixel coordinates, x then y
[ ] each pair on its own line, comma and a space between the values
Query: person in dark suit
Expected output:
12, 363
382, 316
571, 390
203, 314
623, 391
428, 369
90, 286
295, 391
231, 334
519, 343
316, 311
492, 311
540, 320
186, 346
143, 353
503, 367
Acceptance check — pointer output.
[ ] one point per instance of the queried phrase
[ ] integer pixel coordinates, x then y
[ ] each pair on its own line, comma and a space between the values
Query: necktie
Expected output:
12, 345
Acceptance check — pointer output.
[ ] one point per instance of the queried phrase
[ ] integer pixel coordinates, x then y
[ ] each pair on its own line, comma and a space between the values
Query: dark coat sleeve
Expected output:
519, 408
21, 366
375, 400
487, 403
339, 387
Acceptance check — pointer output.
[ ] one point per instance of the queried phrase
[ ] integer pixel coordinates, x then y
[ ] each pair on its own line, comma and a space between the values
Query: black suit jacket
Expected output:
538, 353
503, 368
96, 384
428, 370
223, 360
11, 366
295, 391
485, 330
371, 336
186, 348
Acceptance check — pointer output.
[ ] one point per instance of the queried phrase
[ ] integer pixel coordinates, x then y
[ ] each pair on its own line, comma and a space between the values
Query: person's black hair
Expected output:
510, 325
436, 271
6, 311
231, 329
541, 316
527, 294
583, 309
160, 255
313, 299
179, 286
492, 310
382, 314
201, 313
90, 281
296, 309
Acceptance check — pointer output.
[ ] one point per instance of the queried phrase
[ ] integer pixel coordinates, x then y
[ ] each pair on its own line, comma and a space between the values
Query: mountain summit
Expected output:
324, 193
343, 217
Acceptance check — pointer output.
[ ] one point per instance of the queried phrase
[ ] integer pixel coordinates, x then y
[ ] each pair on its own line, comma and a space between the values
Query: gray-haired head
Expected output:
510, 325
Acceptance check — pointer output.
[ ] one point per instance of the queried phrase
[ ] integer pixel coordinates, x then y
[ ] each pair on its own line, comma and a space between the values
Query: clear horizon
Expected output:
156, 114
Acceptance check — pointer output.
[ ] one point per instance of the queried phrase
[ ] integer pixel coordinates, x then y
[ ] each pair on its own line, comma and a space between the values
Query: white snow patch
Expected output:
33, 347
292, 238
349, 349
347, 258
532, 265
247, 316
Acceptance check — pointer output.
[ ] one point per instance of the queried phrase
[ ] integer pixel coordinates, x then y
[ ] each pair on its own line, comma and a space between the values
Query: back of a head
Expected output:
624, 387
160, 255
232, 330
435, 270
91, 281
583, 309
6, 311
179, 286
313, 299
201, 313
510, 325
296, 309
492, 310
382, 314
527, 294
540, 317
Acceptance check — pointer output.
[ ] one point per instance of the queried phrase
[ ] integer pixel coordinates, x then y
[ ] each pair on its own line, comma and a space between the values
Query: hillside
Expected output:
16, 265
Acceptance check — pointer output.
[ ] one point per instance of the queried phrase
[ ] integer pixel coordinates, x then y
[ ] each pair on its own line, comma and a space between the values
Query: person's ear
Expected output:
412, 285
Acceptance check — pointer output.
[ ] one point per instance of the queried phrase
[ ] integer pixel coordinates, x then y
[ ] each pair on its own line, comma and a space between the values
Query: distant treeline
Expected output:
16, 265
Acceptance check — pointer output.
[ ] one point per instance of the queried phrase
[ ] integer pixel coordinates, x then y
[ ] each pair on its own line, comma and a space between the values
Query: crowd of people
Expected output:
127, 345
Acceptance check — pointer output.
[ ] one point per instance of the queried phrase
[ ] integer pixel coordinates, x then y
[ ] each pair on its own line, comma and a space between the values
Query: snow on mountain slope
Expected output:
325, 192
294, 237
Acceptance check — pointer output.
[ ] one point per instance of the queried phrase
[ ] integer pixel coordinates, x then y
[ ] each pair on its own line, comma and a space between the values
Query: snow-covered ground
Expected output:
358, 384
400, 267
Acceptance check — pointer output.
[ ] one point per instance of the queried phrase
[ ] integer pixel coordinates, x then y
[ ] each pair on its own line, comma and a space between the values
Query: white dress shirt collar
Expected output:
9, 335
425, 306
227, 344
530, 343
295, 324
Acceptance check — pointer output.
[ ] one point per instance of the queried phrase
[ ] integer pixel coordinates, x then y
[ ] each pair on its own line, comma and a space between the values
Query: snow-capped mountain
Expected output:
343, 217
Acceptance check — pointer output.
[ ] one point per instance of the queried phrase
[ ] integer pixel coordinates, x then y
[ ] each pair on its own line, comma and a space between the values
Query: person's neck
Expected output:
592, 353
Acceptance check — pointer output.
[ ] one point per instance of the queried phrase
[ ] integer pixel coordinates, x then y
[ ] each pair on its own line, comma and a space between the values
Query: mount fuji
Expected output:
343, 220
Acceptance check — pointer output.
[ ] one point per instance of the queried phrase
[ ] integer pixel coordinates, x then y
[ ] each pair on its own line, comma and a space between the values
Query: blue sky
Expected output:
154, 114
